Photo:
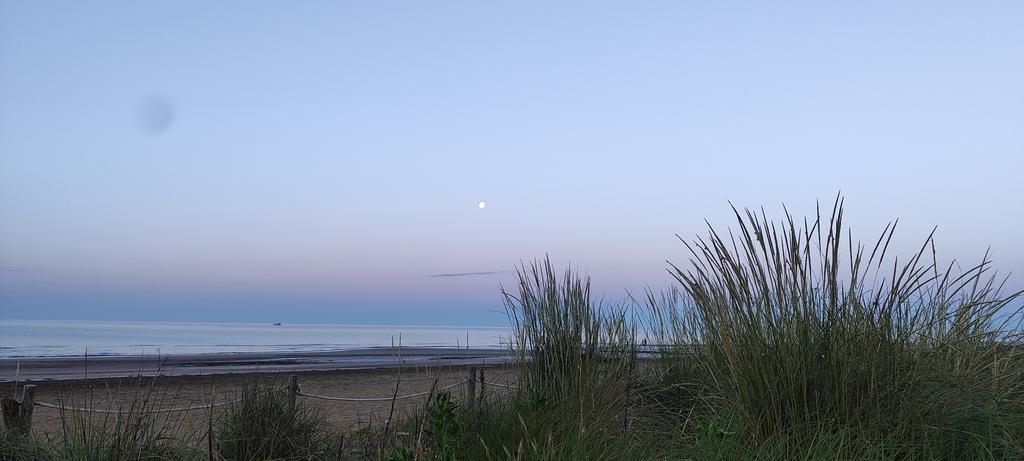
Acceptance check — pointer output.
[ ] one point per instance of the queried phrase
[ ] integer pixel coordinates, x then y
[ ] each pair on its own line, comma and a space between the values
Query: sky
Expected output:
323, 161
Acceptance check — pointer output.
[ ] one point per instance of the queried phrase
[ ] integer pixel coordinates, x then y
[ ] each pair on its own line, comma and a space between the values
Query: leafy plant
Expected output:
444, 427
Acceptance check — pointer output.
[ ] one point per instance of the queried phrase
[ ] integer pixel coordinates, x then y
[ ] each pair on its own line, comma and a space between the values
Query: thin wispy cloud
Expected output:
466, 274
11, 269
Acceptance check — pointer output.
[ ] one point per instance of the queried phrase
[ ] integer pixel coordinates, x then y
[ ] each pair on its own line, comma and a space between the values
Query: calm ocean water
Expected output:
49, 338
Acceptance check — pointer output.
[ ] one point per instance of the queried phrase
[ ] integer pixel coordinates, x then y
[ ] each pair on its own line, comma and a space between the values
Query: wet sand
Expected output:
82, 367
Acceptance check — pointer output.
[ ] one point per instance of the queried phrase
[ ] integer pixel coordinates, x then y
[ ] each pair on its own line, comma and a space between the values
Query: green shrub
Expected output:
444, 427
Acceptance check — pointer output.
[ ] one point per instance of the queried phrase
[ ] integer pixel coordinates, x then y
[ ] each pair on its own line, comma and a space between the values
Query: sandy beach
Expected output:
199, 390
197, 380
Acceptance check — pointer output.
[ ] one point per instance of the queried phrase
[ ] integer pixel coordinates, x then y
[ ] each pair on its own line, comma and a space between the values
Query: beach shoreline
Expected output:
33, 369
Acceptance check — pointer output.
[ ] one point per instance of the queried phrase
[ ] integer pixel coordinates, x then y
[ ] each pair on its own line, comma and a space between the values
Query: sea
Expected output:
62, 338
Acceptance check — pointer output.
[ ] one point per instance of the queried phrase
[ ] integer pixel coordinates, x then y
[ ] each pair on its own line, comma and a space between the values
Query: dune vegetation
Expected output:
780, 340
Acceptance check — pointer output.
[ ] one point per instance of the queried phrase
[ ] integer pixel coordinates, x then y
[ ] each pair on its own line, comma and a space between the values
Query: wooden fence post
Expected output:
471, 390
293, 392
18, 415
28, 402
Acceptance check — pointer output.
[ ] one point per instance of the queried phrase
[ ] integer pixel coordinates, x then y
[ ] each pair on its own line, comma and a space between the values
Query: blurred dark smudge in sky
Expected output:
155, 115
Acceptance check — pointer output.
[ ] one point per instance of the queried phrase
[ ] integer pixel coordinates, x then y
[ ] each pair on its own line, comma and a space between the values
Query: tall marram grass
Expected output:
567, 342
132, 429
781, 340
264, 424
791, 337
576, 357
16, 446
136, 432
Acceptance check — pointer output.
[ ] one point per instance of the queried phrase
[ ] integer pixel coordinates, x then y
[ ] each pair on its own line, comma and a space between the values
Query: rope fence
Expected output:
506, 386
62, 407
20, 413
380, 399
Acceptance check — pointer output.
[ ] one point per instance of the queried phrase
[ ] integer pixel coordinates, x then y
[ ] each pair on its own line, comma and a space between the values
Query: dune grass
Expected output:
781, 340
264, 424
15, 446
132, 429
136, 432
798, 341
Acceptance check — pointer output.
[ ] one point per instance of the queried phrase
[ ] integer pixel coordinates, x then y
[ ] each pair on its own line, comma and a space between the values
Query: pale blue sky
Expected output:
316, 161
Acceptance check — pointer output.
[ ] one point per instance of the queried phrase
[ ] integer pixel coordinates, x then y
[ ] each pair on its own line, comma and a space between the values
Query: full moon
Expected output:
482, 205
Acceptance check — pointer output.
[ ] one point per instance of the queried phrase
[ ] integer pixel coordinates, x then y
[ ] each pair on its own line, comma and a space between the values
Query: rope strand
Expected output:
506, 386
156, 410
59, 406
378, 399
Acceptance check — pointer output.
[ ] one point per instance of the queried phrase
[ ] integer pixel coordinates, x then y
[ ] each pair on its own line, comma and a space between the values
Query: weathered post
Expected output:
471, 389
28, 402
18, 415
293, 392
